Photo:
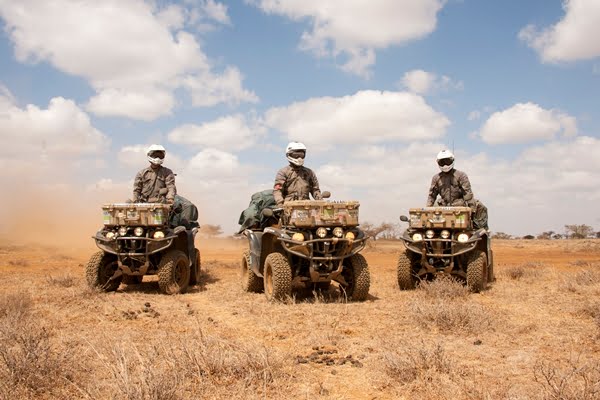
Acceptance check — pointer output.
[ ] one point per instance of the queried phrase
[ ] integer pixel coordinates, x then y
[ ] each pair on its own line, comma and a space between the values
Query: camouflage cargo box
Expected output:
440, 217
311, 213
143, 214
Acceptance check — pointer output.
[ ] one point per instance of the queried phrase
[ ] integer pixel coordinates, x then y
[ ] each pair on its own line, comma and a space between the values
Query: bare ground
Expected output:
533, 335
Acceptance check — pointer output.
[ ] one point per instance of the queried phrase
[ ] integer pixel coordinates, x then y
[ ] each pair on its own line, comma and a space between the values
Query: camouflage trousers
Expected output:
480, 215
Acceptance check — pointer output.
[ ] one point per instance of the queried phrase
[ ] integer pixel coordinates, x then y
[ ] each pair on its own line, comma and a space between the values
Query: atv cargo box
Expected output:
311, 213
143, 214
440, 217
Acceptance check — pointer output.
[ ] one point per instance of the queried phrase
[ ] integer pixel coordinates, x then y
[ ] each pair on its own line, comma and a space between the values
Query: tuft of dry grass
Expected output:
18, 263
577, 380
30, 363
447, 305
527, 271
66, 280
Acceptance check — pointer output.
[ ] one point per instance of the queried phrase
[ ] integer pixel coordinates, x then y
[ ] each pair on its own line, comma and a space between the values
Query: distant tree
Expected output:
373, 231
557, 236
578, 231
528, 237
546, 235
501, 235
211, 230
598, 235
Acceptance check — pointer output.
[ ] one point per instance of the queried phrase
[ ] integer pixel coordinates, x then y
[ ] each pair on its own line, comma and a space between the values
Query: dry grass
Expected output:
439, 341
446, 305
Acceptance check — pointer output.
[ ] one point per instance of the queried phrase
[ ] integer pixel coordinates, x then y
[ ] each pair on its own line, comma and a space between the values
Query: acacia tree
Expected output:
578, 231
546, 235
373, 231
501, 235
211, 230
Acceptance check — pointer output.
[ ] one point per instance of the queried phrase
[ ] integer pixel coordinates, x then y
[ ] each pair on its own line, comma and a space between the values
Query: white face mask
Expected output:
155, 160
296, 161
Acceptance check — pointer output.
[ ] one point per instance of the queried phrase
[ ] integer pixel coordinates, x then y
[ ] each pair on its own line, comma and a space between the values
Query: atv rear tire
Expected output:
477, 273
277, 277
249, 280
406, 276
196, 266
174, 272
99, 269
356, 274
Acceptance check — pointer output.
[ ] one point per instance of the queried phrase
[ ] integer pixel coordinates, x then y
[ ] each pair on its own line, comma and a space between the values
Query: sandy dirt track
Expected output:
535, 329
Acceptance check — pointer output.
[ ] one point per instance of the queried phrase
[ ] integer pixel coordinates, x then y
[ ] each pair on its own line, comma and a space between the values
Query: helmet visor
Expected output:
157, 154
445, 161
297, 153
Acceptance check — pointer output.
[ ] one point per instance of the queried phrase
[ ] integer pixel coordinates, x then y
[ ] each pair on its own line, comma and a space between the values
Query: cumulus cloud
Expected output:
423, 82
227, 133
526, 122
572, 38
126, 50
365, 117
60, 130
354, 29
213, 164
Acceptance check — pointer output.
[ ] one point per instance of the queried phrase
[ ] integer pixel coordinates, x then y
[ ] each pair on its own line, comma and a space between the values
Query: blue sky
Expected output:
374, 89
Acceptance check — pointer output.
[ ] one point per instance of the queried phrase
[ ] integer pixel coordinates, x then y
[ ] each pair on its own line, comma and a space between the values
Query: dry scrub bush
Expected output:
527, 271
31, 364
179, 366
65, 281
578, 380
586, 281
447, 305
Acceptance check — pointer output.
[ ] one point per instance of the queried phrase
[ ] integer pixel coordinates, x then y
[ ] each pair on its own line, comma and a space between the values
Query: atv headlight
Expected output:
321, 232
463, 237
445, 234
417, 237
123, 231
298, 237
338, 232
429, 233
110, 235
139, 231
158, 235
350, 235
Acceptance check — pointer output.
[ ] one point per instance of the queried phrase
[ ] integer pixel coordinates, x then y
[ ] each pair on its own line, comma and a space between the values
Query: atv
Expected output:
138, 239
306, 243
444, 241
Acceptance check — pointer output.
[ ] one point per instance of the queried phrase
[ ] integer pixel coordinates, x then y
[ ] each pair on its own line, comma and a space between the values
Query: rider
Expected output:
454, 189
295, 181
149, 181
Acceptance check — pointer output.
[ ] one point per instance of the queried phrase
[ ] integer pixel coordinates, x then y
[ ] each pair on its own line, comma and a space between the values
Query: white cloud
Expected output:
356, 28
365, 117
126, 50
230, 133
423, 82
62, 129
572, 38
208, 89
214, 165
141, 104
526, 122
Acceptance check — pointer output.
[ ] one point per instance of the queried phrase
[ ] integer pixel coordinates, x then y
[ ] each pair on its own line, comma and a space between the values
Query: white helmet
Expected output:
156, 154
445, 160
295, 153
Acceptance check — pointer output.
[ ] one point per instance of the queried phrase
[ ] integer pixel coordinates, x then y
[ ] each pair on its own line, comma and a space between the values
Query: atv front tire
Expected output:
477, 273
174, 272
249, 280
356, 274
99, 269
406, 277
195, 271
277, 277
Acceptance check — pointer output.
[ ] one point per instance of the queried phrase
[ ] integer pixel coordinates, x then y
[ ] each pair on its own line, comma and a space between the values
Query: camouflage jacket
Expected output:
295, 183
149, 181
453, 187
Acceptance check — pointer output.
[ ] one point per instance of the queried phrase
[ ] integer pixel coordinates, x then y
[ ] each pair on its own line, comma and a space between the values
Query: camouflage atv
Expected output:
136, 240
307, 243
444, 240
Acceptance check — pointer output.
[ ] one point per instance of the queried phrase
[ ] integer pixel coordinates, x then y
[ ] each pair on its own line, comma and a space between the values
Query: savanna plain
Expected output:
534, 334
